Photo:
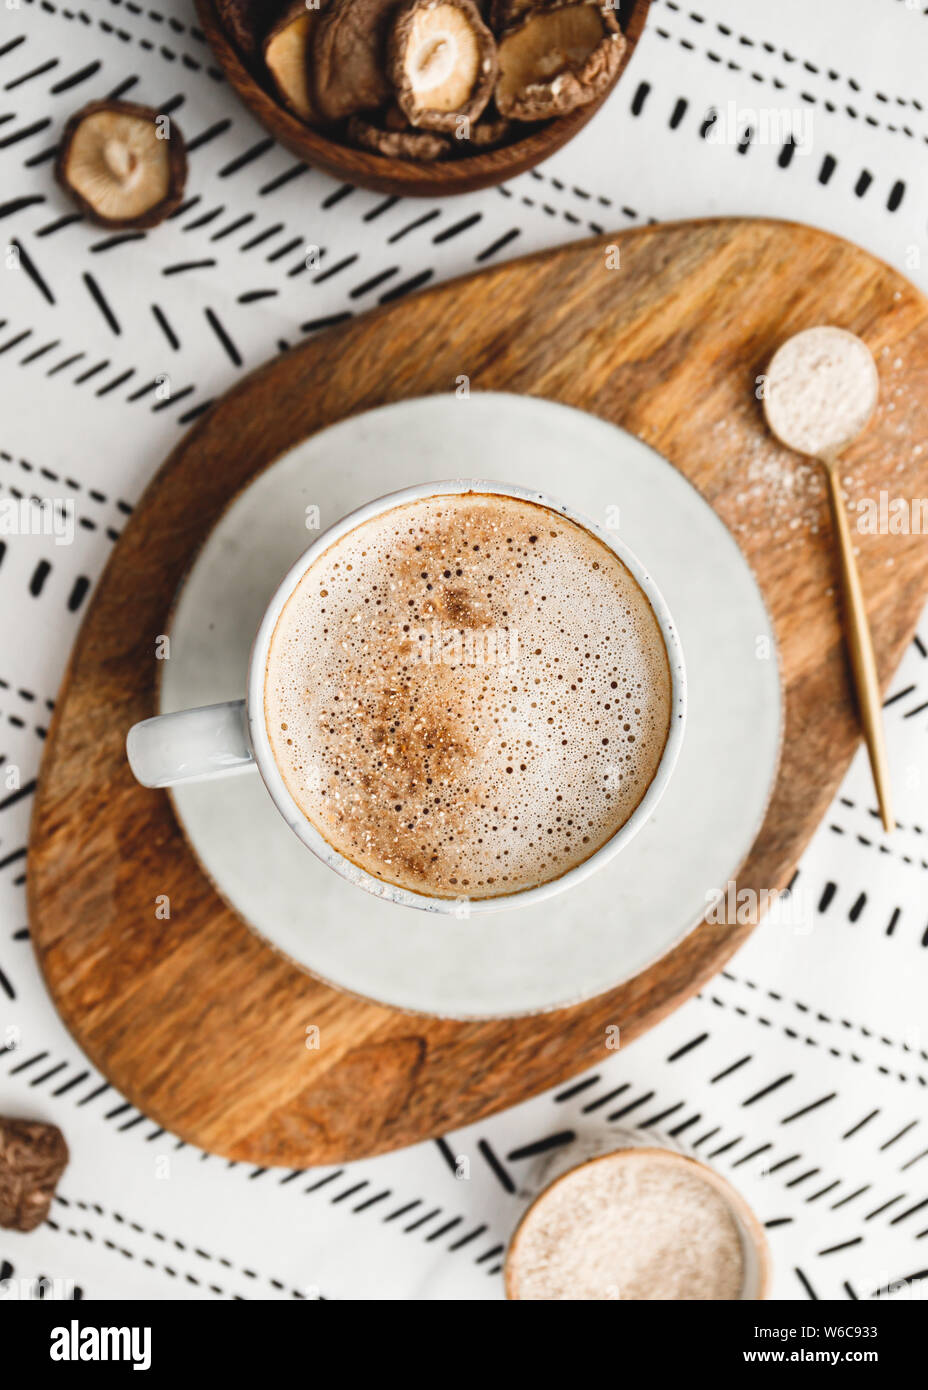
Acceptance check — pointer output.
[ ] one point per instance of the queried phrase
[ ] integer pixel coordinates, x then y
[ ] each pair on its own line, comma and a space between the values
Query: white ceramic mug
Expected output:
217, 740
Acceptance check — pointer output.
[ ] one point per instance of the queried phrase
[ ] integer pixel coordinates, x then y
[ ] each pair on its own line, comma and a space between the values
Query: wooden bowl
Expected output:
406, 177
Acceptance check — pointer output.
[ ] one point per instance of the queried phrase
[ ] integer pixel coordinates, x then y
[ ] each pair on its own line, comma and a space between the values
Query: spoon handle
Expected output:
860, 646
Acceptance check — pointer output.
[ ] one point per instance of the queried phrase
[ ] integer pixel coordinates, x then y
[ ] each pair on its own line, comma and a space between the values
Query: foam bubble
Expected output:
468, 695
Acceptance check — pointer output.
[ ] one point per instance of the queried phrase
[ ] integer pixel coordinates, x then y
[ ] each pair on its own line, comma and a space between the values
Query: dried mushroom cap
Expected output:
121, 165
33, 1157
348, 69
286, 56
393, 119
505, 14
490, 131
425, 145
442, 61
558, 60
247, 21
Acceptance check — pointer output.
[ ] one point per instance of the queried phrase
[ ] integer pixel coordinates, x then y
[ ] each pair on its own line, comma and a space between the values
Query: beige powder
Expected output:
822, 386
635, 1226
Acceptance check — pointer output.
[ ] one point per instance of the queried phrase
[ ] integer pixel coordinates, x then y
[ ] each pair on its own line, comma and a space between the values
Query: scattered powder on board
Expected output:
632, 1228
771, 490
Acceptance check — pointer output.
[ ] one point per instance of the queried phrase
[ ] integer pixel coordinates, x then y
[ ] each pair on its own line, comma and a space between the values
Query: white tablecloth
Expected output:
801, 1070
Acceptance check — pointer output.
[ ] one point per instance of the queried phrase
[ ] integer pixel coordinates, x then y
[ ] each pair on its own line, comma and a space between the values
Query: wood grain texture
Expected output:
404, 177
198, 1022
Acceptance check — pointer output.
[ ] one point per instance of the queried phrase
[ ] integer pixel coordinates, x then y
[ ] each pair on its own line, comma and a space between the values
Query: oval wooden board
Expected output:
196, 1020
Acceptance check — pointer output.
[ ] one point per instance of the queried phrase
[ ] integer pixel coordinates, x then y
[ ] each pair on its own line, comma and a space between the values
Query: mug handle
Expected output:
193, 745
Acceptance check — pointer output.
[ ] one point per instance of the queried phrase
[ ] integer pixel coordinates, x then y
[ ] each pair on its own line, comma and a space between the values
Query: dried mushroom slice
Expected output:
424, 145
348, 63
247, 21
286, 57
125, 165
557, 60
442, 62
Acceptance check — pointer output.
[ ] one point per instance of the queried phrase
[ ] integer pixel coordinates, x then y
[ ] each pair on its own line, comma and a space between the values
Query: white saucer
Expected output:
635, 908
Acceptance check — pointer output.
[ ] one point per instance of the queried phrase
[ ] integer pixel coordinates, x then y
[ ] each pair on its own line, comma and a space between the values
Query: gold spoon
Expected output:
820, 392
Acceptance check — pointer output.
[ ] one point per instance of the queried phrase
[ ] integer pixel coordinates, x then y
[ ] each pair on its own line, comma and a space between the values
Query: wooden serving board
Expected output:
195, 1020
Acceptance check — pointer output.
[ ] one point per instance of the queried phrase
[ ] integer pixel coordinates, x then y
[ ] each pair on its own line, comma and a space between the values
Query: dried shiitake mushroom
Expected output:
286, 56
247, 21
407, 143
557, 60
348, 71
505, 14
489, 132
441, 59
393, 118
33, 1157
125, 165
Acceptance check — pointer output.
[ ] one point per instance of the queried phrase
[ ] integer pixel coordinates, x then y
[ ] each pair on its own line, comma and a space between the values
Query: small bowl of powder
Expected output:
639, 1224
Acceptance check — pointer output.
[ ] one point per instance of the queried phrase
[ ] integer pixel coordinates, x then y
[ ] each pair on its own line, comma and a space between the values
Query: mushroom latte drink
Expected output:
467, 695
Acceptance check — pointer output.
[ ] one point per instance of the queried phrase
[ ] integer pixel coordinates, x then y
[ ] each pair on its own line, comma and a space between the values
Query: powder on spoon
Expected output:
635, 1225
821, 388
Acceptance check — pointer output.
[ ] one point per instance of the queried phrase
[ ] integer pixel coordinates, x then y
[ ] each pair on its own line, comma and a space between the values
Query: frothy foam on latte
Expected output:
467, 695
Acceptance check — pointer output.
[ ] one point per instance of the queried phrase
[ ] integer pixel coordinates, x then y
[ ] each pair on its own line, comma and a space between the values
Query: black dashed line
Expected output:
204, 219
99, 299
38, 352
167, 330
896, 194
767, 1090
371, 284
109, 243
212, 318
286, 177
604, 1100
91, 372
25, 133
181, 267
19, 338
576, 1089
283, 250
633, 1105
211, 133
406, 287
640, 97
844, 1245
233, 226
66, 83
334, 269
541, 1146
15, 205
457, 228
262, 236
687, 1047
117, 381
247, 157
495, 1166
51, 227
412, 226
